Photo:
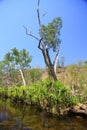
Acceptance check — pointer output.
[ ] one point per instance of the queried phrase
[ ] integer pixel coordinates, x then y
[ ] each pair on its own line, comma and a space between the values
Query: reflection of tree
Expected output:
4, 112
44, 119
4, 116
19, 125
20, 122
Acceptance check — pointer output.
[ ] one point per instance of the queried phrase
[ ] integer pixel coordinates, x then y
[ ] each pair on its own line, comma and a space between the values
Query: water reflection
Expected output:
19, 126
21, 117
4, 116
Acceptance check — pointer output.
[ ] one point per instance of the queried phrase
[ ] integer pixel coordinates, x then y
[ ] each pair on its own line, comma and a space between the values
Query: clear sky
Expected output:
16, 13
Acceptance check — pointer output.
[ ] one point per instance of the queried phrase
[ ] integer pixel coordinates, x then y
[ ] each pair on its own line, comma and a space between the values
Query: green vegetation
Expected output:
51, 96
15, 69
17, 60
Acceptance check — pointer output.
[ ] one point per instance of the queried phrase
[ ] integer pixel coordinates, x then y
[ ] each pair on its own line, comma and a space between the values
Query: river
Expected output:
14, 116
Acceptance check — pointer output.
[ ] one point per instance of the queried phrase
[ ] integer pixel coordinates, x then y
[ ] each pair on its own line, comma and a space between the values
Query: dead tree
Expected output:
44, 47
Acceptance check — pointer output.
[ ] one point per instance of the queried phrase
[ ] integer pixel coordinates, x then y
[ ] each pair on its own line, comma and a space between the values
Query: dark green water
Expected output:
19, 117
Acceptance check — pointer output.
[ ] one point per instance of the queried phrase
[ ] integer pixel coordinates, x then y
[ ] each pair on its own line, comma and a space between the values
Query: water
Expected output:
20, 117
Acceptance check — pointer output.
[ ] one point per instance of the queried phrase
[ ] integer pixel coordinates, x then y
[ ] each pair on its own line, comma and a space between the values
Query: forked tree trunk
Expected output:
47, 60
45, 51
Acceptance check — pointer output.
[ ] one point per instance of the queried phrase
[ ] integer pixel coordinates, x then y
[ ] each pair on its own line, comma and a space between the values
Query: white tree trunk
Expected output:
55, 64
24, 83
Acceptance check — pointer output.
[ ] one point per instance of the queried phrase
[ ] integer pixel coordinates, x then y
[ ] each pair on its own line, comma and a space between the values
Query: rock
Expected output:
83, 107
80, 110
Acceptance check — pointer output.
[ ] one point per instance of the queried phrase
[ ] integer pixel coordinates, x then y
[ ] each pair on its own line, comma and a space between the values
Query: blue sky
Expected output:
16, 13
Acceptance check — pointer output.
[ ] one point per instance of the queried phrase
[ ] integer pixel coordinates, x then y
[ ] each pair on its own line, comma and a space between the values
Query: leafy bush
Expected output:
46, 94
34, 74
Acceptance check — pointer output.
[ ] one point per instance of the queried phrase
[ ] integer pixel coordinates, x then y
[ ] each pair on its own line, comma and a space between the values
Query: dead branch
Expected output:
44, 15
30, 34
38, 14
39, 45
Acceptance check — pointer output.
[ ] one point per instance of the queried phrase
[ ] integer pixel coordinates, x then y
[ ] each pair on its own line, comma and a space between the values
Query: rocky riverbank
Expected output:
80, 111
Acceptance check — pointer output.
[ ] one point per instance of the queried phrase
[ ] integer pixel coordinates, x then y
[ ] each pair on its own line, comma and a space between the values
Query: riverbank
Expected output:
53, 97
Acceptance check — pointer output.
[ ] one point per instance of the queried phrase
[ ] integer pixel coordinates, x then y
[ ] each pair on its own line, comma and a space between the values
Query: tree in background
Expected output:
17, 60
22, 60
8, 67
35, 74
85, 62
62, 61
2, 78
49, 39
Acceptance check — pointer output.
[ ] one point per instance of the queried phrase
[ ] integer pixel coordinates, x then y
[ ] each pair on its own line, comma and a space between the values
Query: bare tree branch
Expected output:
38, 2
40, 44
43, 51
30, 34
38, 14
44, 14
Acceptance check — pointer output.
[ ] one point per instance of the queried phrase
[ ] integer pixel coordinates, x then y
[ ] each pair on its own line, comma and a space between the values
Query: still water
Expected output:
20, 117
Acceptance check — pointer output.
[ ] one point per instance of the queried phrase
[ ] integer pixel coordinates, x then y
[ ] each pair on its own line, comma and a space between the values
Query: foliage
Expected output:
46, 94
16, 60
20, 58
51, 32
50, 40
34, 74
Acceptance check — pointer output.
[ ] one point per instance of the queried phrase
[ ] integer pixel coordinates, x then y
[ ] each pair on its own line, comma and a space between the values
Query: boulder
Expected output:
80, 110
